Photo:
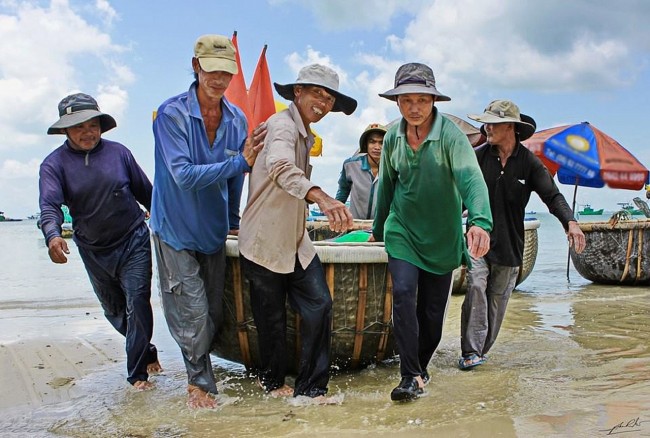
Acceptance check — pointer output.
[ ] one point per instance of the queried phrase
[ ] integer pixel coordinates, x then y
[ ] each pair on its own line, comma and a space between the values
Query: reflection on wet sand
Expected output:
571, 360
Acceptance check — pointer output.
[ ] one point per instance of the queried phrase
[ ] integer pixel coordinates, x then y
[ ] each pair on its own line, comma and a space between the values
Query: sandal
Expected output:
471, 361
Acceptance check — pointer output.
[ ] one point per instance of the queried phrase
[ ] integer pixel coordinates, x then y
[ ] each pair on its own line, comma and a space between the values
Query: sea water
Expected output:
572, 359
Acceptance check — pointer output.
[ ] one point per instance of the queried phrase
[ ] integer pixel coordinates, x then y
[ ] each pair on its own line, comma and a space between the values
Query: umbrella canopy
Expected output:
583, 155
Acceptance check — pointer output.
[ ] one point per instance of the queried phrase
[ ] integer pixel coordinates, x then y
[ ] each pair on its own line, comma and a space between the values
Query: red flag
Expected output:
236, 91
260, 96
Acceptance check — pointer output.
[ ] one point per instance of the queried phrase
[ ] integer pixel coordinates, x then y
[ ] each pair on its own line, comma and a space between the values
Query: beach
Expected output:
572, 360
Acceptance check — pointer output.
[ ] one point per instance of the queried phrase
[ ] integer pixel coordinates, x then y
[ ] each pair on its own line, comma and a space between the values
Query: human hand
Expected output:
478, 241
339, 217
576, 237
254, 144
57, 249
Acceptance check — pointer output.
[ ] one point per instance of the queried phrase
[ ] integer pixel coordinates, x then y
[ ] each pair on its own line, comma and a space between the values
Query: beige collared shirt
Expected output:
272, 229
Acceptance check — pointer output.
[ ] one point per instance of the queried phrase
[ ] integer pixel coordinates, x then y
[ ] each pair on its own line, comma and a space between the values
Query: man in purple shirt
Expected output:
103, 186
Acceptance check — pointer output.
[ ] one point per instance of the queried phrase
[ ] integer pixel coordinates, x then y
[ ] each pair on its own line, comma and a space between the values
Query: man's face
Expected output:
313, 102
375, 141
86, 135
212, 84
415, 108
500, 133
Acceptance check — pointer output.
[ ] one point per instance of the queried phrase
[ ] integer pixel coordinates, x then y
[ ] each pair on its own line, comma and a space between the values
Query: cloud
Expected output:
345, 14
44, 53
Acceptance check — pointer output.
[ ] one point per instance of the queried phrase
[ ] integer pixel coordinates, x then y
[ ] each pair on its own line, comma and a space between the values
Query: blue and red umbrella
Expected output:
583, 155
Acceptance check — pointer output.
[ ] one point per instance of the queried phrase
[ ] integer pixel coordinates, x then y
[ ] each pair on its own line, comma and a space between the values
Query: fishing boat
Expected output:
360, 285
616, 252
4, 218
588, 211
629, 208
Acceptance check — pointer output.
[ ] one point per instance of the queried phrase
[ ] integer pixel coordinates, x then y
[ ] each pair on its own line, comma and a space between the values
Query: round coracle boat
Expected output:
359, 282
616, 253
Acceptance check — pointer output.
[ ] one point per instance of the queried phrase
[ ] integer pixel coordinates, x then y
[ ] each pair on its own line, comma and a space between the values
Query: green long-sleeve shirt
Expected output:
421, 193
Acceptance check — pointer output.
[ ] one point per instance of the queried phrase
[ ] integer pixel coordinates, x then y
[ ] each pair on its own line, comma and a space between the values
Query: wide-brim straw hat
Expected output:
414, 78
320, 76
79, 108
505, 111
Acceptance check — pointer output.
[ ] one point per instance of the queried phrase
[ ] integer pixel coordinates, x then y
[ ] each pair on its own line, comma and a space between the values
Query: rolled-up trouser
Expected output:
191, 286
489, 287
121, 279
309, 296
420, 300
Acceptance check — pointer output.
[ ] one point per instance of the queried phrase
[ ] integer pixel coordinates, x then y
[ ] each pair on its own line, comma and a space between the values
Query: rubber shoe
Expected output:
408, 389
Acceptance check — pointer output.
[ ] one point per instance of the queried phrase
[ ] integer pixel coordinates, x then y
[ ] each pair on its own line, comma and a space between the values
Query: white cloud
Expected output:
13, 169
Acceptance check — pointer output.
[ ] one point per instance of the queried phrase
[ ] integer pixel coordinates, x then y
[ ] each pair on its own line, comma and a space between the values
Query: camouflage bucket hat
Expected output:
505, 111
78, 108
414, 78
372, 128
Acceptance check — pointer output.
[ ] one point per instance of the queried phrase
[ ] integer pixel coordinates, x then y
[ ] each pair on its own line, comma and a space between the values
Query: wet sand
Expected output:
572, 360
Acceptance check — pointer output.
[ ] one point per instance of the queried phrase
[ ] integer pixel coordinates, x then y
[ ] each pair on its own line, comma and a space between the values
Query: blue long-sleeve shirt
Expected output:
101, 187
197, 185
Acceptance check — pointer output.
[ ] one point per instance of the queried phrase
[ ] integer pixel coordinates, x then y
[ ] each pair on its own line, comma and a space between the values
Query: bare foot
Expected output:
199, 399
283, 391
420, 382
154, 368
142, 385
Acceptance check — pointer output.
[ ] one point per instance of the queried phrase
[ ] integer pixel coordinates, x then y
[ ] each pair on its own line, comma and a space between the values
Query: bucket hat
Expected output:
320, 76
373, 127
414, 78
216, 53
78, 108
505, 111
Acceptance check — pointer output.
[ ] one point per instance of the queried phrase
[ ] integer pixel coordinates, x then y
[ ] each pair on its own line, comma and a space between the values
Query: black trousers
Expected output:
309, 296
419, 307
121, 279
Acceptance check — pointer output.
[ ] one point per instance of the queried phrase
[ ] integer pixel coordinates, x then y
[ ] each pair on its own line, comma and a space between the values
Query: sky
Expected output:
561, 62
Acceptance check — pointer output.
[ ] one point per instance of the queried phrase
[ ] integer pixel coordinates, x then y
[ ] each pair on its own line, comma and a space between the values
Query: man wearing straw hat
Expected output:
359, 176
512, 173
103, 186
202, 151
276, 253
428, 171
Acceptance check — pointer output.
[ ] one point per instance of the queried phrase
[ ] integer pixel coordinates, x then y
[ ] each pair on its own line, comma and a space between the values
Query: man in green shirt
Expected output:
428, 171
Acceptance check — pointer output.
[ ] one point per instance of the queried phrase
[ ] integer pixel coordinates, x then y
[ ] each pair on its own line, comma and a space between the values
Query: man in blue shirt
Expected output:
202, 151
103, 186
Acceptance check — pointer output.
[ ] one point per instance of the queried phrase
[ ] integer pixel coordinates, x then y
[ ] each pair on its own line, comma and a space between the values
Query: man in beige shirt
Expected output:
277, 256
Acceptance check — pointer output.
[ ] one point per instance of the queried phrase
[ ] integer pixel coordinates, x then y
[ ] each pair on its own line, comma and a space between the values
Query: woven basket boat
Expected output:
361, 289
615, 254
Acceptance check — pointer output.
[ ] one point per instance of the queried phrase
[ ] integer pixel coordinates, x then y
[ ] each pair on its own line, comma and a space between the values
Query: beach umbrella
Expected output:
583, 155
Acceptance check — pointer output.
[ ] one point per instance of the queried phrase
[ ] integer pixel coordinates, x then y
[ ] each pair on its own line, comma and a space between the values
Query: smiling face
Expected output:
415, 108
86, 135
313, 102
212, 84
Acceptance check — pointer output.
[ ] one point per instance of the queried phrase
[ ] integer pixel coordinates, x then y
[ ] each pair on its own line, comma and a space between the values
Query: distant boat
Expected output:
588, 211
629, 208
4, 218
531, 212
